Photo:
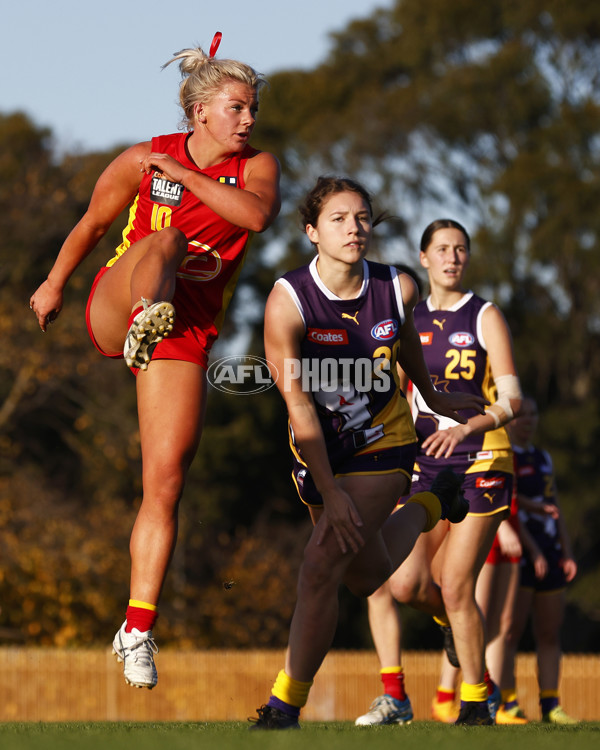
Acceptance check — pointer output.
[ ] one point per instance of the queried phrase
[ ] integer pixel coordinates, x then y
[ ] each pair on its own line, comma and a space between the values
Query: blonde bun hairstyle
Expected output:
203, 75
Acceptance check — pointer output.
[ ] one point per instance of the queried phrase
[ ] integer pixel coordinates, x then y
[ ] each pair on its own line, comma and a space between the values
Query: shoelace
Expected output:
264, 715
382, 702
147, 641
268, 716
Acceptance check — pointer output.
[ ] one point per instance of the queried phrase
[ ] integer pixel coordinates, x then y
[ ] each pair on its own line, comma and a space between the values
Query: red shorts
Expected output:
99, 275
189, 341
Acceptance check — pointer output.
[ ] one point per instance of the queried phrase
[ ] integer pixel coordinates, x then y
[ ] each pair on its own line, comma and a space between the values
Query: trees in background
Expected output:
486, 112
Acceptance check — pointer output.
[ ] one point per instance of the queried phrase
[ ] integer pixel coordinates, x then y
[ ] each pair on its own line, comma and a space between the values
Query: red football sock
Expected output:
489, 682
141, 617
443, 695
393, 682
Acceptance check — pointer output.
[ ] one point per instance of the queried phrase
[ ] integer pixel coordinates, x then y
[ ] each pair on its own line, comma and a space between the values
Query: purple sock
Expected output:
283, 706
547, 704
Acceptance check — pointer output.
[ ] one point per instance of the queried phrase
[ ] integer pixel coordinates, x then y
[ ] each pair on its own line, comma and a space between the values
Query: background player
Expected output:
468, 348
547, 567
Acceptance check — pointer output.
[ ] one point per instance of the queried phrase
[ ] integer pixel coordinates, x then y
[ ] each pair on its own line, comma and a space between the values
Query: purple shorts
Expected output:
488, 492
387, 461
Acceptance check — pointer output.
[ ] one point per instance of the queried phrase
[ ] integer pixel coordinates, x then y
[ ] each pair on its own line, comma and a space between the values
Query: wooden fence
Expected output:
88, 685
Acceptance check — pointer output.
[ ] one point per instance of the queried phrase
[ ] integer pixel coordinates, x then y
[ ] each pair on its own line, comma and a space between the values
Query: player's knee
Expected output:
457, 598
381, 594
315, 572
163, 488
172, 242
405, 590
365, 582
546, 638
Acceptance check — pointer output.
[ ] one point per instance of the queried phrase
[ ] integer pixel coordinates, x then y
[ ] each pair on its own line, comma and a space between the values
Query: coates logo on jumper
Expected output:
242, 375
487, 484
461, 338
385, 329
327, 336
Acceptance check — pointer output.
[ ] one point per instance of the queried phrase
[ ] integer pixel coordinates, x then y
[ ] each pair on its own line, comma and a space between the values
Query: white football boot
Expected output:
150, 325
136, 650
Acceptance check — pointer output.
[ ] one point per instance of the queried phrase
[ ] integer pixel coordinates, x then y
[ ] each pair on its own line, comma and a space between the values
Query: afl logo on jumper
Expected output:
385, 329
461, 338
204, 265
330, 337
166, 192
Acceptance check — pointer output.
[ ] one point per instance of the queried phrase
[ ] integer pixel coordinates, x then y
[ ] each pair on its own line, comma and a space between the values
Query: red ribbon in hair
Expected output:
215, 44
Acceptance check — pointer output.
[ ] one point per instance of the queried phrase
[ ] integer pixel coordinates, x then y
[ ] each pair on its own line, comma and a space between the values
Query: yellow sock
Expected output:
290, 691
473, 693
142, 605
432, 506
509, 695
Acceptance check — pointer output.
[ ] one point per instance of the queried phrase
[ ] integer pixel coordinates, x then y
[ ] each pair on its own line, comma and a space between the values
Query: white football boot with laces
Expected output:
136, 650
386, 710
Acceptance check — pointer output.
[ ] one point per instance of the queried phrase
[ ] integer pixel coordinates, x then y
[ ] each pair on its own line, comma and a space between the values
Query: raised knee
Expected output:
405, 591
171, 241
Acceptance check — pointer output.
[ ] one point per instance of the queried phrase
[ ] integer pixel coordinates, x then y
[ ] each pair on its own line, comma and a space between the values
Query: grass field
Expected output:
320, 736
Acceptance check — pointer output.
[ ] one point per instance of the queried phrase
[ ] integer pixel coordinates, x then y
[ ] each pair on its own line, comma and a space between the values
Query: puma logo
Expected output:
489, 497
439, 323
351, 317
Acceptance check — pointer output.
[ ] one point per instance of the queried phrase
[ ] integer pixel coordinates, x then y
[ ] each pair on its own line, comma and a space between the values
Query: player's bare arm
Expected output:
115, 189
255, 207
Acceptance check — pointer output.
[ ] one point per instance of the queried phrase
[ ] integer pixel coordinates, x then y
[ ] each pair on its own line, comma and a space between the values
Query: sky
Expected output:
91, 71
